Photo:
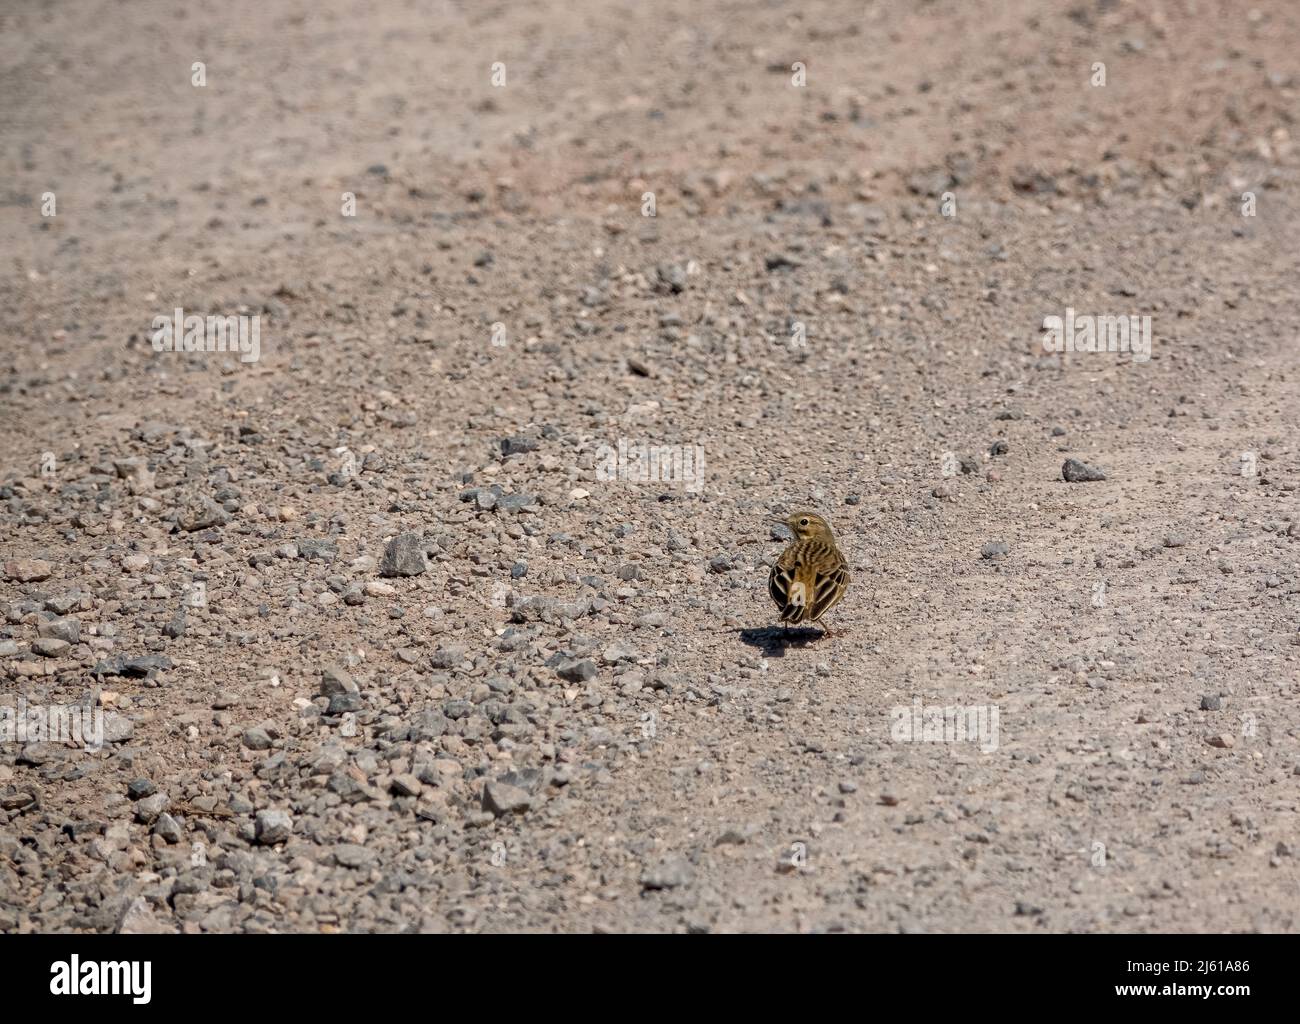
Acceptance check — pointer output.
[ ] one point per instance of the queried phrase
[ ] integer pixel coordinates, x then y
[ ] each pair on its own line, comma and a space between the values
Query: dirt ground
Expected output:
380, 646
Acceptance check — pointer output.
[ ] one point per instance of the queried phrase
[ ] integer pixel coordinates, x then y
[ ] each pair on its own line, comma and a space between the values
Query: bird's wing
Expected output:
828, 589
780, 584
826, 577
808, 580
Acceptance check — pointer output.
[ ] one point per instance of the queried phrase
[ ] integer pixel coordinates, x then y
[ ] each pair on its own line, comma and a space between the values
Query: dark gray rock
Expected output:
67, 629
273, 827
350, 855
138, 789
317, 549
404, 556
257, 738
61, 604
343, 703
518, 445
175, 628
202, 515
335, 680
515, 502
501, 798
148, 809
670, 278
48, 647
1077, 472
429, 724
446, 658
168, 828
134, 667
577, 671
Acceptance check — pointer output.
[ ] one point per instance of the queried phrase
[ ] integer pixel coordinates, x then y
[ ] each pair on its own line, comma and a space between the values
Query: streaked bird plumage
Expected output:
810, 577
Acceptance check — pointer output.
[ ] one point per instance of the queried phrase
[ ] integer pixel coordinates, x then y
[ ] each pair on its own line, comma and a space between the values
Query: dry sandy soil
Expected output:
574, 713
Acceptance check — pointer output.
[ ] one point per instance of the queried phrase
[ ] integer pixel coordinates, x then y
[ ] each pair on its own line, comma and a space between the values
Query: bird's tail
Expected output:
795, 609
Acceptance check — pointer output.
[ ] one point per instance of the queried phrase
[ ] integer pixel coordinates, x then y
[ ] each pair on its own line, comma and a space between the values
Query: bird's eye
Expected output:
803, 522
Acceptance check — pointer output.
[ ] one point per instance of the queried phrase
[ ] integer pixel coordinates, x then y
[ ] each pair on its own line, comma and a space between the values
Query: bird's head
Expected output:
806, 525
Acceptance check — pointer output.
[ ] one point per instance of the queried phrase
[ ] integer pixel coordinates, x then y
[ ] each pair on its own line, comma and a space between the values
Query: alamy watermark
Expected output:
53, 723
236, 333
73, 977
1086, 333
953, 723
646, 463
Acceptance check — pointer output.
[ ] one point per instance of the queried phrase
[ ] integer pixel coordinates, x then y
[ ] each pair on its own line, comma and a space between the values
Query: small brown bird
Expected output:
811, 575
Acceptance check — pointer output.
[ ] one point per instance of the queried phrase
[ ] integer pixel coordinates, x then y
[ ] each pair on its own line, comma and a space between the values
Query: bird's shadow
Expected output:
773, 640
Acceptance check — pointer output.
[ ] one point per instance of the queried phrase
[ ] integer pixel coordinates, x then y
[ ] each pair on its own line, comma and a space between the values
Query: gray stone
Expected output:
61, 604
168, 828
148, 809
28, 570
576, 671
48, 647
203, 515
501, 798
670, 873
175, 628
404, 556
137, 667
273, 827
317, 549
517, 445
117, 728
350, 855
428, 724
446, 658
17, 798
343, 703
671, 277
68, 629
138, 789
515, 502
257, 738
1077, 472
617, 652
335, 680
348, 787
406, 784
139, 919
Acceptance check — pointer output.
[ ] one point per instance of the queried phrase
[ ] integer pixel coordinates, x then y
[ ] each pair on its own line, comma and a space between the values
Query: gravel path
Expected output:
383, 635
